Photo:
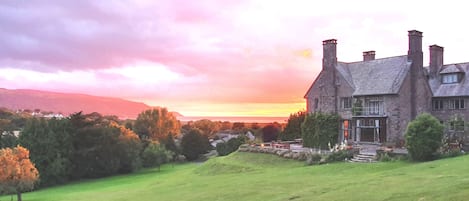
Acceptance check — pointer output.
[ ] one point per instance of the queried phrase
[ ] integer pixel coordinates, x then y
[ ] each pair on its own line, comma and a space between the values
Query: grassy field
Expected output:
250, 176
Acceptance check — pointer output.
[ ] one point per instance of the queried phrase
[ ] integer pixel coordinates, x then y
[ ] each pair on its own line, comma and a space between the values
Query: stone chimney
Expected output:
436, 59
415, 41
329, 54
415, 55
369, 55
329, 63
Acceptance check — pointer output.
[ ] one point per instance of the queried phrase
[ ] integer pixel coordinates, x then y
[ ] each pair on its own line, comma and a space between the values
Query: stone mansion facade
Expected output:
377, 98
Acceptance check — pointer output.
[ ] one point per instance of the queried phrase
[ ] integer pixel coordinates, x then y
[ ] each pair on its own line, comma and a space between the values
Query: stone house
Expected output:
377, 98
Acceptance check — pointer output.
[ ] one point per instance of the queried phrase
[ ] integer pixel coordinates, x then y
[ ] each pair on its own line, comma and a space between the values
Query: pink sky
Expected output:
207, 57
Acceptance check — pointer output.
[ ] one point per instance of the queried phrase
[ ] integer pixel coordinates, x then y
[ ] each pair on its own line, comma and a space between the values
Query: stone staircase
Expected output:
367, 154
364, 158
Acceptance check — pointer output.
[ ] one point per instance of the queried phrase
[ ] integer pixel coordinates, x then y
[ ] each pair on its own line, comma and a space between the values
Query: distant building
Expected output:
15, 133
377, 98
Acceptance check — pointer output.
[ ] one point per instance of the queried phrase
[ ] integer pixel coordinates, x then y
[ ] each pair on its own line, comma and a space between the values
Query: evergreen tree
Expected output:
293, 129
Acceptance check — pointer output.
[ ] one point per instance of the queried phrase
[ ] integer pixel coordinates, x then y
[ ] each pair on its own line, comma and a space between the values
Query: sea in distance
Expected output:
237, 119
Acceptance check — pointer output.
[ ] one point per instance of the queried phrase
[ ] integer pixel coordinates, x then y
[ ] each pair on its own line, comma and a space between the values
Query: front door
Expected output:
370, 130
367, 135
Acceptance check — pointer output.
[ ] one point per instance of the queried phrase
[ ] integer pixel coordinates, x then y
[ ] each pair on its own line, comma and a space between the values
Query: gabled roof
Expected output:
452, 68
311, 87
454, 89
375, 77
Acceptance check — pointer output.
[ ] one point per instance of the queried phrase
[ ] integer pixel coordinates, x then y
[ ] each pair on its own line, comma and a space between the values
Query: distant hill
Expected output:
66, 103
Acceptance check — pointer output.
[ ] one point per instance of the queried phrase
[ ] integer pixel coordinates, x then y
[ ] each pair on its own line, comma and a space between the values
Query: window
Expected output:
456, 125
316, 103
346, 102
373, 107
449, 78
437, 104
456, 104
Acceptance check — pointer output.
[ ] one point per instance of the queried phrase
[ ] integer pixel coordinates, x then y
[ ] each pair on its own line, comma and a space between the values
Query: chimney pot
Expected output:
369, 55
330, 41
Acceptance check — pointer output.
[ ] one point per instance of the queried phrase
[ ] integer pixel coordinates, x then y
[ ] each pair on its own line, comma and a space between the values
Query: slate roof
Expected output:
454, 89
375, 77
452, 68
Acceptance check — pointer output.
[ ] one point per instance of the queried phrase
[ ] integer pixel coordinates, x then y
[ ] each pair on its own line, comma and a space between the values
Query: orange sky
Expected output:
207, 57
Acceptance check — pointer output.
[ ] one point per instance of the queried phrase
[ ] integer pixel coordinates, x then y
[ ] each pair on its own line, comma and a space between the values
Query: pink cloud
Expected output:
233, 51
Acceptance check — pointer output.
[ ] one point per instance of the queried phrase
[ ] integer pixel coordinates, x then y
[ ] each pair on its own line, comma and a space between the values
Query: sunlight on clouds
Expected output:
28, 77
146, 73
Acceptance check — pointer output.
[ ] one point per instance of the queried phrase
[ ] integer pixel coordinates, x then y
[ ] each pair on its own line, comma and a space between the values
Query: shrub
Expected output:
423, 137
193, 144
270, 133
222, 149
312, 159
229, 147
384, 157
451, 153
339, 156
155, 155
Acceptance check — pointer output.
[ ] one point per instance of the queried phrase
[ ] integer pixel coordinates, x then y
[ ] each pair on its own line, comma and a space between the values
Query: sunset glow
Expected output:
208, 57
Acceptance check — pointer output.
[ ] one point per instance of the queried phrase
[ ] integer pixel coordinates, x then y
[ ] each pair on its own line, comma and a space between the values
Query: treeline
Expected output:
92, 145
80, 146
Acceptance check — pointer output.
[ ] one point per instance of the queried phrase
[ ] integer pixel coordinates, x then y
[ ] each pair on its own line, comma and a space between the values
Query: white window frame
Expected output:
449, 78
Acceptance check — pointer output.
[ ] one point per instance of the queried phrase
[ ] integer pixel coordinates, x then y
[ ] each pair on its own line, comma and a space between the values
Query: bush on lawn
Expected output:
423, 137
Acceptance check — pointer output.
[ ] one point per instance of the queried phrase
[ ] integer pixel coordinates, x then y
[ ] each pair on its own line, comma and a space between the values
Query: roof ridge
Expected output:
467, 62
371, 60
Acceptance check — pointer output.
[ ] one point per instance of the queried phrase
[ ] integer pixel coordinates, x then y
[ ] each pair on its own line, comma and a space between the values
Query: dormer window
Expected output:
449, 78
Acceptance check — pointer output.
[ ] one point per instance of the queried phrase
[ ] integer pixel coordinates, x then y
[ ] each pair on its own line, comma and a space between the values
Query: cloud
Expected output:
223, 52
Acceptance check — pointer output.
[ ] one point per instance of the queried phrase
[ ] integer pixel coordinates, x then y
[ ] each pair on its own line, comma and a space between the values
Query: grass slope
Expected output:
251, 176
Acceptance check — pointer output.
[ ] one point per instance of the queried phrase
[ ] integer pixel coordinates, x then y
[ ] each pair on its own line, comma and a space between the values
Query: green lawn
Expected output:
251, 176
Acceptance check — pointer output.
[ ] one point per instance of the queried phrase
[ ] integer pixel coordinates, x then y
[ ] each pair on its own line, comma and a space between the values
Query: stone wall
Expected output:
398, 109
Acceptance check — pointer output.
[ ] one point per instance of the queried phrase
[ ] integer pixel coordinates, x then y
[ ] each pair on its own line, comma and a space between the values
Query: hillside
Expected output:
69, 103
255, 176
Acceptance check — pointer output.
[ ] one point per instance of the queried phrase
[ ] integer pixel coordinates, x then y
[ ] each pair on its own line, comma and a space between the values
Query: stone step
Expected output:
363, 158
354, 160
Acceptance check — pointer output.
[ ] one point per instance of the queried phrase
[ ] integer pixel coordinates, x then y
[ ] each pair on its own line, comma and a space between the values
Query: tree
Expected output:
230, 146
54, 162
193, 144
225, 125
270, 133
155, 155
319, 129
95, 152
17, 172
423, 137
255, 126
207, 127
10, 122
102, 147
7, 139
128, 149
293, 129
238, 127
170, 145
156, 123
